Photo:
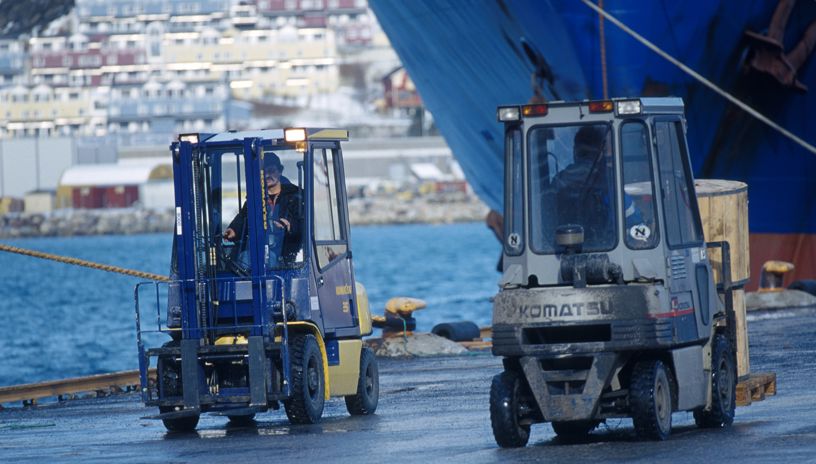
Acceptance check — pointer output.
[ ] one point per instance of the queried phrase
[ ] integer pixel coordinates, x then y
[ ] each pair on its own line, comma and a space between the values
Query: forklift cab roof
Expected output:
620, 107
288, 135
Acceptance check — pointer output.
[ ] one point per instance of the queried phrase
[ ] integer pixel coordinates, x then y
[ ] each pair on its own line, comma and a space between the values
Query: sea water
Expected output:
58, 320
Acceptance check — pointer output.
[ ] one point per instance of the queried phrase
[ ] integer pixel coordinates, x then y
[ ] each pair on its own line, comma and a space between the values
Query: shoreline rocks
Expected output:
128, 221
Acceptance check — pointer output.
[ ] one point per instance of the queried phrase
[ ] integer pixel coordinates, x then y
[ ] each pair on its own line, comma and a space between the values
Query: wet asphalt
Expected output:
435, 410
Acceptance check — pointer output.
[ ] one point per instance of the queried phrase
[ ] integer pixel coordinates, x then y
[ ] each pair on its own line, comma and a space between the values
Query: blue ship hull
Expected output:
467, 57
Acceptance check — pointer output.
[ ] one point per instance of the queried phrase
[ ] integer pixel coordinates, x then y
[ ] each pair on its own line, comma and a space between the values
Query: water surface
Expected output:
60, 321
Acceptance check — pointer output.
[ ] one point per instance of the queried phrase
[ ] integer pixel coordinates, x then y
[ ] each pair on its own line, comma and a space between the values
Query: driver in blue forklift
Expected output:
283, 217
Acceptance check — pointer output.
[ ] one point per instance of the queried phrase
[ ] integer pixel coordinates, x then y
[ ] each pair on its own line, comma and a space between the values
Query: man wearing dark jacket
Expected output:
283, 215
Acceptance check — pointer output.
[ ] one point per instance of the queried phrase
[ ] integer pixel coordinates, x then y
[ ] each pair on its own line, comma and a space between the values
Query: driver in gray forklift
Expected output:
282, 214
588, 172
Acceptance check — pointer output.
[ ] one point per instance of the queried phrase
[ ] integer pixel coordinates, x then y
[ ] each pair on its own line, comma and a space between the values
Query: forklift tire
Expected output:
505, 410
364, 402
462, 331
723, 387
574, 430
180, 425
308, 381
650, 400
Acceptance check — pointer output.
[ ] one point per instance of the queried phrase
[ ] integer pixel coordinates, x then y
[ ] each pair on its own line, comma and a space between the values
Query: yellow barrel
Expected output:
724, 212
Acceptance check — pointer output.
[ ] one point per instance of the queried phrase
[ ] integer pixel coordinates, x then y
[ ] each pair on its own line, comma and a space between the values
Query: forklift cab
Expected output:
262, 305
606, 274
607, 169
283, 199
602, 193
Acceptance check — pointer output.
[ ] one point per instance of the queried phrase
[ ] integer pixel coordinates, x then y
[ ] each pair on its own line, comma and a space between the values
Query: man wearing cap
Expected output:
585, 190
283, 215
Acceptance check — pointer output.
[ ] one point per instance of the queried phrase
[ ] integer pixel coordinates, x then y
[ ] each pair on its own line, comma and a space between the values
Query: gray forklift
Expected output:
607, 306
262, 308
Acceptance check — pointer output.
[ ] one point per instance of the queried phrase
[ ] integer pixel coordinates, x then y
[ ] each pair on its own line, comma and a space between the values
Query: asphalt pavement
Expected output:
435, 410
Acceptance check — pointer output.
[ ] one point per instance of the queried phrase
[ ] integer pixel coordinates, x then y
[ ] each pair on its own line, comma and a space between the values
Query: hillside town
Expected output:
91, 100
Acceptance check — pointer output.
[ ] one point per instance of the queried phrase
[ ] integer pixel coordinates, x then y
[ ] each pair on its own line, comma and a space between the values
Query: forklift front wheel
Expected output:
364, 402
181, 424
509, 428
723, 387
650, 397
308, 381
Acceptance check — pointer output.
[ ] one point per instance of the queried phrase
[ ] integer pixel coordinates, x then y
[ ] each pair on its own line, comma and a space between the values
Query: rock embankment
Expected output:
86, 222
362, 211
418, 210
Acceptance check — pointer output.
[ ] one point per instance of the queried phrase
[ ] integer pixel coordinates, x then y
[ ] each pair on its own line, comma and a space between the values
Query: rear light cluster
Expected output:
620, 107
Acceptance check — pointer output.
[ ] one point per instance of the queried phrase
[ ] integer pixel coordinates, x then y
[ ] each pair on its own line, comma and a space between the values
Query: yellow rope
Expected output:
82, 262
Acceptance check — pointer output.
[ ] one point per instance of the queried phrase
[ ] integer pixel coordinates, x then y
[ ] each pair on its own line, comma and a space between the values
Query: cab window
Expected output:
514, 184
329, 236
683, 226
571, 175
639, 210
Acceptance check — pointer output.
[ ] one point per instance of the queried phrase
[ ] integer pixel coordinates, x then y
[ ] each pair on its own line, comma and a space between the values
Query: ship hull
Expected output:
467, 57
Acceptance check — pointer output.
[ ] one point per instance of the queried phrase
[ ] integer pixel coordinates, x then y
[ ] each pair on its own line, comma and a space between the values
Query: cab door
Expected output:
332, 257
687, 263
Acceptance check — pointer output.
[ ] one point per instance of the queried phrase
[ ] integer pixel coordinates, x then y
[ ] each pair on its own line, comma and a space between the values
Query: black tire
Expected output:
650, 400
723, 387
573, 430
364, 402
806, 285
463, 331
308, 381
181, 424
505, 410
242, 421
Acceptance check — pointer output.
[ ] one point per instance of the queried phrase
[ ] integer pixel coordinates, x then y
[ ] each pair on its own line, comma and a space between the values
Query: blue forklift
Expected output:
261, 307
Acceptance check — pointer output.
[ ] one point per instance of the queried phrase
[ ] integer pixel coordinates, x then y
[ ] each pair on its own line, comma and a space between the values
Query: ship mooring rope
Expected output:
700, 78
82, 262
602, 45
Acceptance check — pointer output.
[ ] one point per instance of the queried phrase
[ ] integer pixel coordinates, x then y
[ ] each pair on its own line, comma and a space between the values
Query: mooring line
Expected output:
82, 262
694, 74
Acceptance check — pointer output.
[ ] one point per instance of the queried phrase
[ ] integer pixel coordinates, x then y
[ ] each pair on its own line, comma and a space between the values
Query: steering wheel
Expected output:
227, 258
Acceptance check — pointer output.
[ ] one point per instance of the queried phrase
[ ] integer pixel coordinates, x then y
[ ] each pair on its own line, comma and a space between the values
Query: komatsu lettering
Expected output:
592, 308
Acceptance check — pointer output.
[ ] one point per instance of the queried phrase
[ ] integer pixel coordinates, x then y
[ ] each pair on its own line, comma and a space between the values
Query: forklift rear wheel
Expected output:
650, 398
723, 387
308, 384
364, 402
181, 424
509, 429
572, 430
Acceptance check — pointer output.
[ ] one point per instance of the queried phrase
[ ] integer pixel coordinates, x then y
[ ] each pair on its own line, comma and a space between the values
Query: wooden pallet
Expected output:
755, 388
101, 383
